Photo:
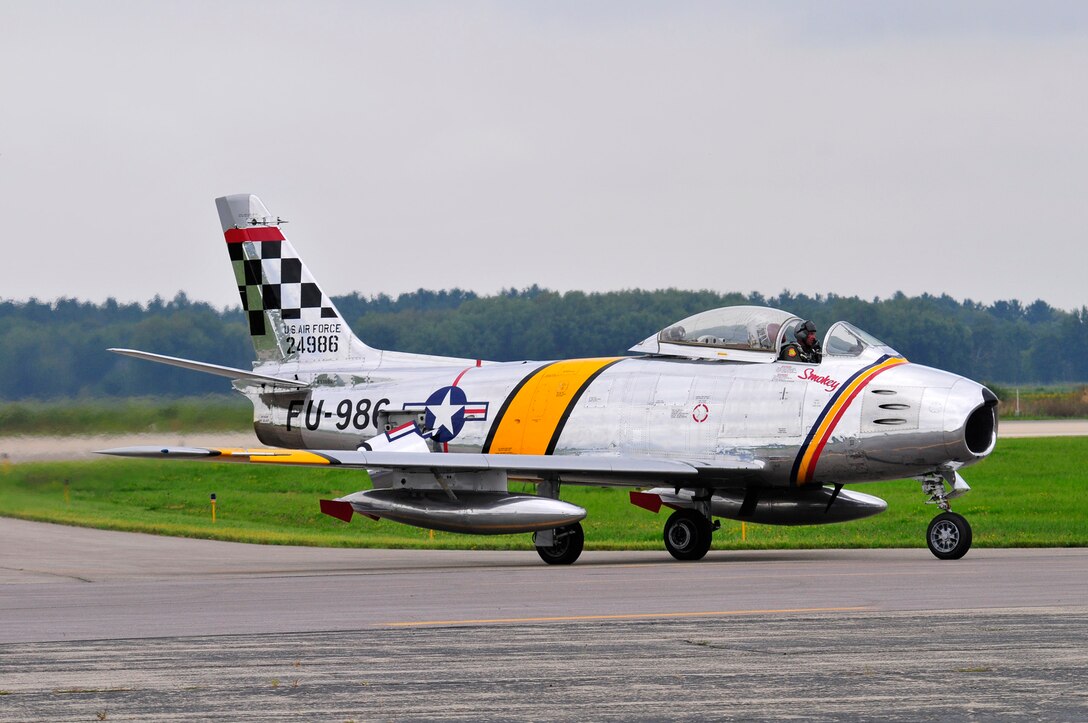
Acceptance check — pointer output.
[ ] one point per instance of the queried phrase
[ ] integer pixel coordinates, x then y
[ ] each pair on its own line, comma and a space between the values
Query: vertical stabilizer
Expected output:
291, 319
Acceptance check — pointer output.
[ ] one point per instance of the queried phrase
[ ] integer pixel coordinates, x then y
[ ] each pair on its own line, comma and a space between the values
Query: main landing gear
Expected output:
687, 535
561, 545
566, 545
949, 534
688, 531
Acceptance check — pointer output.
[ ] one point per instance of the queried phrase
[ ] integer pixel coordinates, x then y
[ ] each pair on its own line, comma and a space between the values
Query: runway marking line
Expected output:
623, 616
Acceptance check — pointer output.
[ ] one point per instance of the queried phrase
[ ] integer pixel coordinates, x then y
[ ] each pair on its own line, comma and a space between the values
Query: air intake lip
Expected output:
980, 432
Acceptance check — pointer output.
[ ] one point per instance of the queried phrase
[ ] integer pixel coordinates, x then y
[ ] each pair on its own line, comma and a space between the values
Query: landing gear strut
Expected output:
949, 534
562, 545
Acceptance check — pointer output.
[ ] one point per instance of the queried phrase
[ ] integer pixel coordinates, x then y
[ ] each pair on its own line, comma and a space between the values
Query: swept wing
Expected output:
577, 469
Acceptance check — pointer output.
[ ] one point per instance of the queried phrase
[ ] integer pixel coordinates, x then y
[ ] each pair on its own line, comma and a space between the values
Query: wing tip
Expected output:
151, 452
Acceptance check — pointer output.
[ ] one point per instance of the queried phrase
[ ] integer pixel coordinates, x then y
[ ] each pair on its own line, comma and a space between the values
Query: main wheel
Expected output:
687, 535
567, 547
949, 536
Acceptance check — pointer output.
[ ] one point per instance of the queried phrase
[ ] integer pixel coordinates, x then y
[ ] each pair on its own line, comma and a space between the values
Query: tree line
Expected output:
58, 349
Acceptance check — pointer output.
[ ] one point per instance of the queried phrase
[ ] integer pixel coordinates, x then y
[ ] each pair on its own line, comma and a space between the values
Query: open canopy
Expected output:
748, 334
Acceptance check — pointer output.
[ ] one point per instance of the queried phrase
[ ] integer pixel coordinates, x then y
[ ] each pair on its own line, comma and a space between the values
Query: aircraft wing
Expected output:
575, 469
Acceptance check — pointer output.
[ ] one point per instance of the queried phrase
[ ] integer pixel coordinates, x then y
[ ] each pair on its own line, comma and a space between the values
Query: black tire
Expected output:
568, 545
687, 535
949, 536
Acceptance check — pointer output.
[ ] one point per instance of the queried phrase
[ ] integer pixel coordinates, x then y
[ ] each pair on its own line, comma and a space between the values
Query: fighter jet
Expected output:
734, 413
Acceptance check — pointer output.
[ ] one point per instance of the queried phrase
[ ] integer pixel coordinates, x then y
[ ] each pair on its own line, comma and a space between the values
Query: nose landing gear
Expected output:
949, 534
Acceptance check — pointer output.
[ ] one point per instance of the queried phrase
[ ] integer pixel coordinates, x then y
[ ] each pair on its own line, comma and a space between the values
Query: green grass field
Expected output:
210, 413
1029, 493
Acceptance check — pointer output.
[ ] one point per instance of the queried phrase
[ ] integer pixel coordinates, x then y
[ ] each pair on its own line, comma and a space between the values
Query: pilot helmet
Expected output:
804, 330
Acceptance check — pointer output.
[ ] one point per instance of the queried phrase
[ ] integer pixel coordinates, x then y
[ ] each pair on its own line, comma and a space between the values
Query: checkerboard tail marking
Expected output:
289, 315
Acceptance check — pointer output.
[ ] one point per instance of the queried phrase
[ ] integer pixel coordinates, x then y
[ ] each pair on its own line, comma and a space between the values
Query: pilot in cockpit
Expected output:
806, 348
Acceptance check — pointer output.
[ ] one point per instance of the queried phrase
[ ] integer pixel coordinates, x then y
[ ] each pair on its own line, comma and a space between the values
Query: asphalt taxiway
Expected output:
151, 627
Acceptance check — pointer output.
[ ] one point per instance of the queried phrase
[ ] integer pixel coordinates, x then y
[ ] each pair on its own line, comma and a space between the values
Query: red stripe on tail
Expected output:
257, 233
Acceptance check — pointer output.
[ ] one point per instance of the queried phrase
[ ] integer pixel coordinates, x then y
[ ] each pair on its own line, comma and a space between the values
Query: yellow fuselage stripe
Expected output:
532, 418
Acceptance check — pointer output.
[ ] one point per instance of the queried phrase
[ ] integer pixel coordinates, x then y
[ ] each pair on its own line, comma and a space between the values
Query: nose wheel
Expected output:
949, 534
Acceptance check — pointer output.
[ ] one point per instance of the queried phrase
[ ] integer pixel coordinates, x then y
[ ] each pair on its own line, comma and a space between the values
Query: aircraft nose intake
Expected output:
971, 422
981, 429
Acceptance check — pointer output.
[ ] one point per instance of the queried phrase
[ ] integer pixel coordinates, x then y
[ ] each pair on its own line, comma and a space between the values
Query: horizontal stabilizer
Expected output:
218, 370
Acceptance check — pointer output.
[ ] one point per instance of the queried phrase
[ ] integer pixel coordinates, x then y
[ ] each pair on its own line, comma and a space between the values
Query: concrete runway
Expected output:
1011, 428
136, 626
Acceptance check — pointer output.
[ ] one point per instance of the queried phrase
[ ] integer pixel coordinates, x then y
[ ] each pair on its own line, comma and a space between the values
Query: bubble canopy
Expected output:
741, 333
747, 334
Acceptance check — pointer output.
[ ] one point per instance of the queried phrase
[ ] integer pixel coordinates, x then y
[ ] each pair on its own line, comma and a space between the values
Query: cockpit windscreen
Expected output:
844, 339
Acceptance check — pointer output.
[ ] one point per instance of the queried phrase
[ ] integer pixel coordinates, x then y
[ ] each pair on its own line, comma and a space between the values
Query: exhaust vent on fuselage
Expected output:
904, 405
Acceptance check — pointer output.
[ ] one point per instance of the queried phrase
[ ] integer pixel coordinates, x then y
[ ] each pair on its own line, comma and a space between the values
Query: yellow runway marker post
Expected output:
213, 508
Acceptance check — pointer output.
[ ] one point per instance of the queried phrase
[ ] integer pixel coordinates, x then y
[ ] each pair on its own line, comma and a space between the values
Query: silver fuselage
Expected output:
845, 420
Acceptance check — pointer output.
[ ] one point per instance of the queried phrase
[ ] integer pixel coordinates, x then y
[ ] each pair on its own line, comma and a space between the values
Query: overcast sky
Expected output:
858, 148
